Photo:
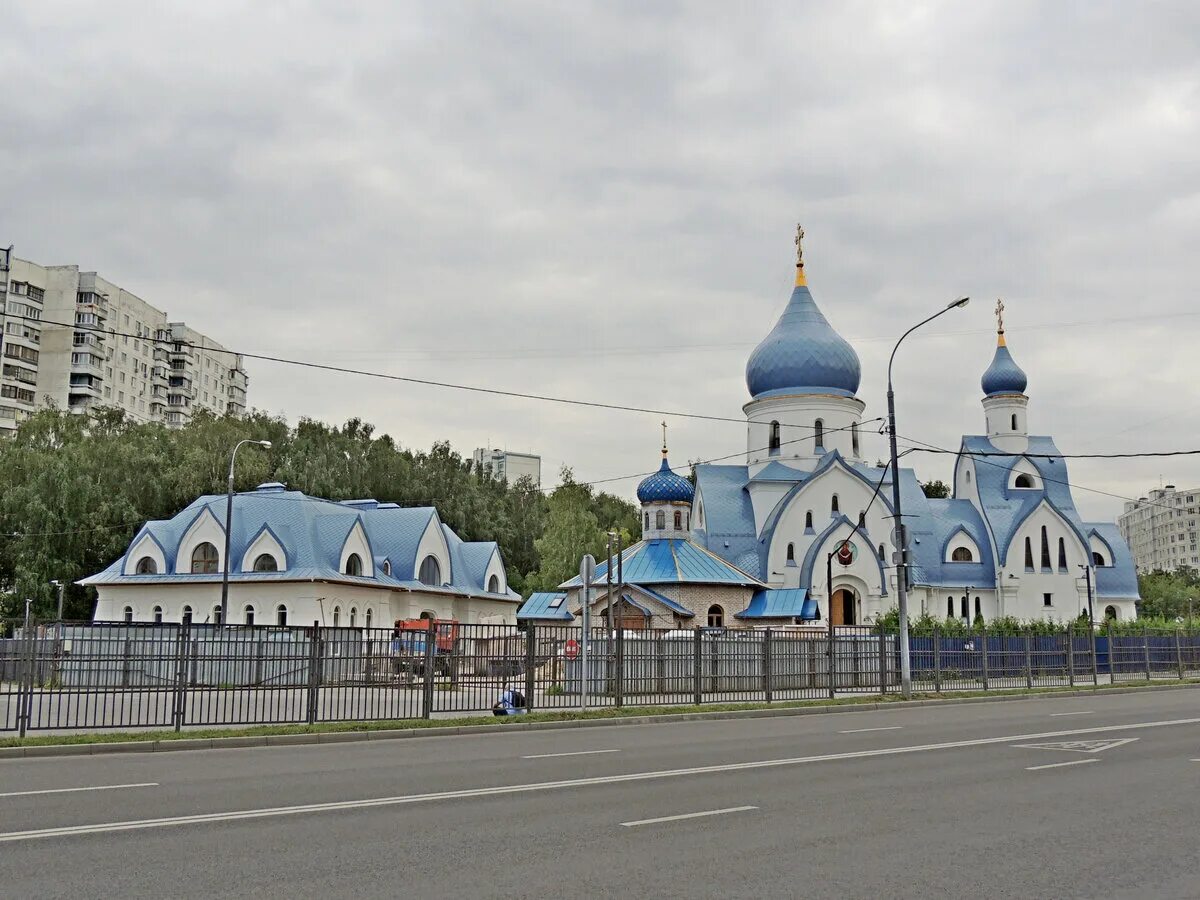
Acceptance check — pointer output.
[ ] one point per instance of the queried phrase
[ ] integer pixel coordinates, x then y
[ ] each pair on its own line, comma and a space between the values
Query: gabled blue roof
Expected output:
777, 471
665, 601
803, 353
545, 606
312, 532
780, 603
1119, 579
669, 561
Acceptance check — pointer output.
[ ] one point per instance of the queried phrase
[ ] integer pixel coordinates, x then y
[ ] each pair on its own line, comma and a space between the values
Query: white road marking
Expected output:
695, 815
141, 824
575, 753
880, 728
1082, 712
1073, 762
1079, 746
99, 787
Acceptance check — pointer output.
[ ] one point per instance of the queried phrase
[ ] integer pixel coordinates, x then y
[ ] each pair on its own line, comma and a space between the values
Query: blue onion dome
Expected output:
803, 354
665, 486
1003, 376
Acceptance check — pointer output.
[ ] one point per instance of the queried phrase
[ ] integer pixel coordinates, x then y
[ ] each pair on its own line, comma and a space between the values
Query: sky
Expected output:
597, 201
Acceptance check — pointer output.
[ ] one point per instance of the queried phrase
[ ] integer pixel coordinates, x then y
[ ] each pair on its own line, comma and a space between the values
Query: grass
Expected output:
489, 721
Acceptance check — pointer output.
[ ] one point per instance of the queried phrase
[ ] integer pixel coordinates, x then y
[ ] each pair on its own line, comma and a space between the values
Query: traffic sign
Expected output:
571, 650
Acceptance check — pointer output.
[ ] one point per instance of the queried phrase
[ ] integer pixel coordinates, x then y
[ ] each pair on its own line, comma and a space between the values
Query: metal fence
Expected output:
84, 676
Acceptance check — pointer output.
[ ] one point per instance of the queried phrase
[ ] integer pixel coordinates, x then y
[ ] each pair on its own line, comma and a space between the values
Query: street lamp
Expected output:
902, 532
61, 587
229, 525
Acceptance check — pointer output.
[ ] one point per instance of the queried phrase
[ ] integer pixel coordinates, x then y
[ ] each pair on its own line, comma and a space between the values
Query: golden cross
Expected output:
999, 315
799, 244
664, 428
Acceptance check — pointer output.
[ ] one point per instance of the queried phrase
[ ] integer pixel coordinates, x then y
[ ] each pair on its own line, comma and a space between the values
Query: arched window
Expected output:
1062, 555
387, 567
1028, 555
882, 554
1098, 559
773, 441
833, 505
646, 523
281, 615
963, 606
216, 616
968, 476
1110, 612
430, 572
978, 608
808, 520
427, 615
146, 566
354, 617
660, 520
819, 435
337, 616
949, 607
265, 562
128, 614
1045, 548
248, 615
791, 553
678, 520
187, 615
716, 617
353, 564
204, 559
494, 584
1014, 422
1023, 481
369, 618
854, 438
158, 615
962, 554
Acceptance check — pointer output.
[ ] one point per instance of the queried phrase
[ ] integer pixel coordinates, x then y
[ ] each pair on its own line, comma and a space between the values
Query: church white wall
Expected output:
146, 546
264, 543
206, 528
650, 526
356, 542
999, 412
433, 543
965, 484
797, 415
495, 567
1066, 586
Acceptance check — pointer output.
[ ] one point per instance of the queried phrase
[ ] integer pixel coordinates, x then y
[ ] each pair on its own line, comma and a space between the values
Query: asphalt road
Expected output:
907, 802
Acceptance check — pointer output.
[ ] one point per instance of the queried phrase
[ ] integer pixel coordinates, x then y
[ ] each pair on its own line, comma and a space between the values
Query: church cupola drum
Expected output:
666, 500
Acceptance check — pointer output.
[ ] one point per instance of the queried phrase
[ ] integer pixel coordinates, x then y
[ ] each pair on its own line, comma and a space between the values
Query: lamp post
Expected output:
61, 587
901, 532
229, 525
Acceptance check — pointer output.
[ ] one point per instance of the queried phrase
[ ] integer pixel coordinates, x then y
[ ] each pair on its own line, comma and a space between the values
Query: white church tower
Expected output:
1004, 402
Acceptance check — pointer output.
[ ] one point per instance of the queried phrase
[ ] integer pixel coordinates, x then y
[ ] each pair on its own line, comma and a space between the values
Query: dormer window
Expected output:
146, 566
353, 564
205, 559
1023, 481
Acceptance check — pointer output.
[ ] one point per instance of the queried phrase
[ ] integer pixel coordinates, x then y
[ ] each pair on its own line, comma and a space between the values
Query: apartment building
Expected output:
77, 341
508, 465
1161, 529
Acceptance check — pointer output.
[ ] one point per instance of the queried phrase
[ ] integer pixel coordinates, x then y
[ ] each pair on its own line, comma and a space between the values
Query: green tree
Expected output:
938, 490
572, 530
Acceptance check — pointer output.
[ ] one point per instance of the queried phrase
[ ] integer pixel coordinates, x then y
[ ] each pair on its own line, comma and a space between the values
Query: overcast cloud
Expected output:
598, 201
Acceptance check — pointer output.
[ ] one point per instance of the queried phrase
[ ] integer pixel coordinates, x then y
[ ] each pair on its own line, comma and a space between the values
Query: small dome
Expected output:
665, 486
803, 353
1003, 376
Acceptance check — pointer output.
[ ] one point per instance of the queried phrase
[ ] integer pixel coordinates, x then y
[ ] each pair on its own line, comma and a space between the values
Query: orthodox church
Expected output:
802, 532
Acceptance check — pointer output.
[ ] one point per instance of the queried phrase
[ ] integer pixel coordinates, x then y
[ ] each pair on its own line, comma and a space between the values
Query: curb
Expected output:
345, 737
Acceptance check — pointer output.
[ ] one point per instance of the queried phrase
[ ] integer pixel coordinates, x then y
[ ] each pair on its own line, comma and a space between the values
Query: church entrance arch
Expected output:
844, 608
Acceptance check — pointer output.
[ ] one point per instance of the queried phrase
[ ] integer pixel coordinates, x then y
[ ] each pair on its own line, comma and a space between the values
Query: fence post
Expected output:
427, 669
1029, 658
696, 666
314, 674
983, 650
1146, 648
1071, 655
766, 661
1095, 662
530, 662
831, 650
25, 707
882, 663
1178, 654
937, 659
620, 664
181, 645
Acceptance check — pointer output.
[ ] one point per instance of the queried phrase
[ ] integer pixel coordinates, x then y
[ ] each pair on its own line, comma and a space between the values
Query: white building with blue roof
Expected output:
801, 533
296, 559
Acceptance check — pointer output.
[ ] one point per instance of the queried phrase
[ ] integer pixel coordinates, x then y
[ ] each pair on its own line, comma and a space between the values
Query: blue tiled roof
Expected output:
545, 606
780, 603
665, 486
1119, 579
1003, 376
729, 518
777, 471
802, 352
665, 601
312, 532
670, 561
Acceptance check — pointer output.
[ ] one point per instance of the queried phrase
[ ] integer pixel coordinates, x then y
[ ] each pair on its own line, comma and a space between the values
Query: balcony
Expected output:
160, 354
83, 390
178, 401
180, 351
87, 364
